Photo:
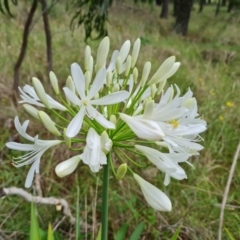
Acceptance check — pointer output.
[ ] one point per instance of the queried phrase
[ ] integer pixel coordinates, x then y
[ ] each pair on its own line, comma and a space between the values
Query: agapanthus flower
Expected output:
116, 118
35, 150
86, 101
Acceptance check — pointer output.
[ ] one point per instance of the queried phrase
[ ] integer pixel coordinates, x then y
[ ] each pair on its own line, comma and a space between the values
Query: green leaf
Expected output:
34, 226
231, 237
176, 234
50, 232
99, 233
77, 216
6, 4
137, 232
121, 232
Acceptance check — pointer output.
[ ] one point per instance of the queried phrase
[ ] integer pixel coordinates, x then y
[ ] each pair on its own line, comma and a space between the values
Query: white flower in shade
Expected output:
86, 101
29, 95
67, 167
157, 199
93, 154
36, 150
166, 162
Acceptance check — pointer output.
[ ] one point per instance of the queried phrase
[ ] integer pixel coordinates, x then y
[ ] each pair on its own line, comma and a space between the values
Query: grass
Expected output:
206, 68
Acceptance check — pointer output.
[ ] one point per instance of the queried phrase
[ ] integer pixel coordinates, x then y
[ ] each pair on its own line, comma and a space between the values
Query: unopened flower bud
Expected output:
91, 67
118, 65
102, 53
67, 167
48, 123
109, 78
124, 51
87, 57
153, 90
116, 87
54, 82
67, 140
135, 75
87, 76
121, 172
113, 119
106, 142
189, 103
128, 65
135, 51
145, 74
38, 87
165, 71
148, 110
162, 144
161, 85
31, 110
70, 84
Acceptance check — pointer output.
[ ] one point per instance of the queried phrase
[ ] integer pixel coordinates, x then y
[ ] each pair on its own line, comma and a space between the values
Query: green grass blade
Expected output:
77, 216
50, 232
176, 234
121, 232
34, 226
99, 233
231, 237
137, 232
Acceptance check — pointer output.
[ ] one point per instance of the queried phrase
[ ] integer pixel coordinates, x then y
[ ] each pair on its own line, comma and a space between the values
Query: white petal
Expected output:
97, 83
78, 79
34, 168
67, 167
22, 129
111, 98
56, 105
99, 118
20, 146
143, 128
76, 124
71, 96
157, 199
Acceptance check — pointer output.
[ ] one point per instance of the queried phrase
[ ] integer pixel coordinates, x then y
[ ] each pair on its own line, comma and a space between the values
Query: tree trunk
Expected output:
164, 13
47, 34
183, 16
23, 47
201, 5
230, 6
224, 3
218, 7
209, 2
159, 2
176, 4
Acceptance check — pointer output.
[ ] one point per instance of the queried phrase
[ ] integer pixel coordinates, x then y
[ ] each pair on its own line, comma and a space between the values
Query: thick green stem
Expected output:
105, 199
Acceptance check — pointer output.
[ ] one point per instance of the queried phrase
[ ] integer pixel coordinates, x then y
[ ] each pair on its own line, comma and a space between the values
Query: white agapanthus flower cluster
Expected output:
109, 109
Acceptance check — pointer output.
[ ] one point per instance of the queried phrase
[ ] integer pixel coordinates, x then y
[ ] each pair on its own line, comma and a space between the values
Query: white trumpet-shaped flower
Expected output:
166, 162
93, 154
29, 95
86, 101
157, 199
36, 150
67, 167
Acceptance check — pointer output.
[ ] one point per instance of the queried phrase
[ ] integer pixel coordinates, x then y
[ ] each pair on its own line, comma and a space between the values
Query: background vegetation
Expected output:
210, 67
